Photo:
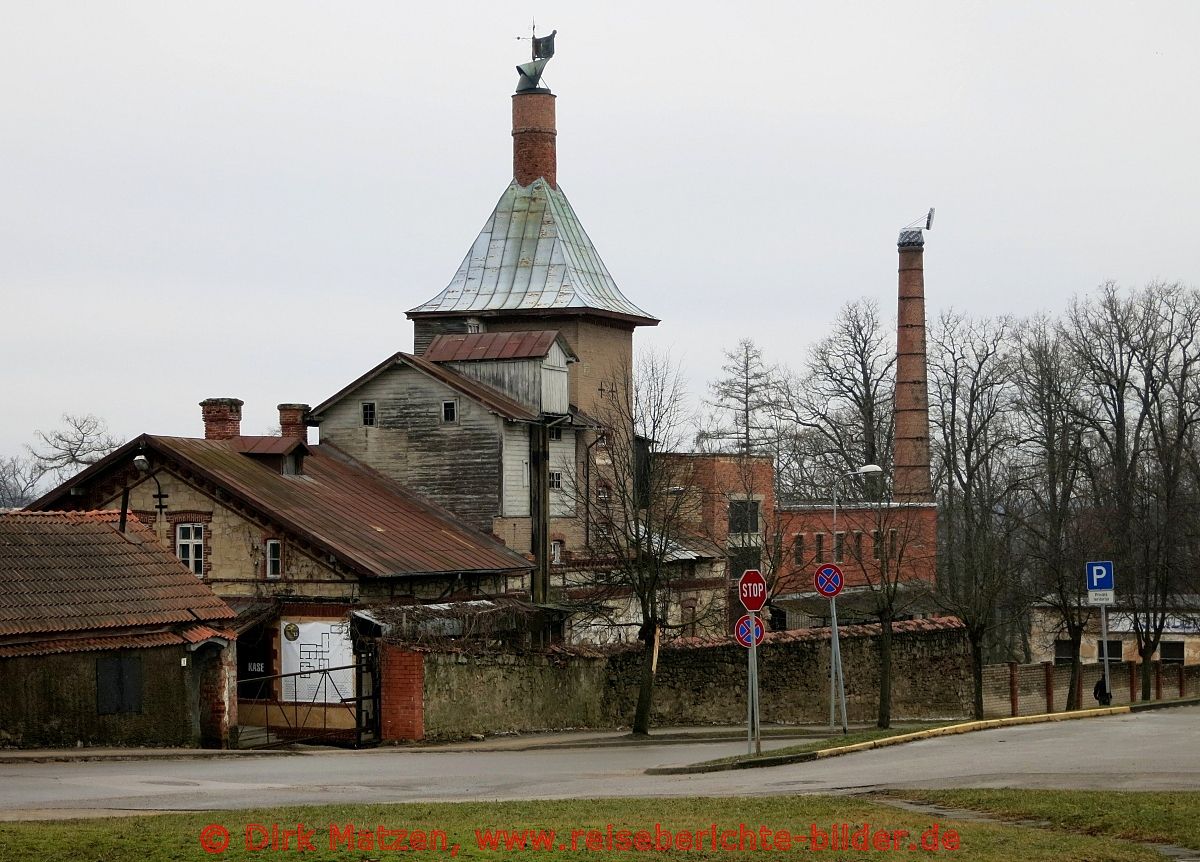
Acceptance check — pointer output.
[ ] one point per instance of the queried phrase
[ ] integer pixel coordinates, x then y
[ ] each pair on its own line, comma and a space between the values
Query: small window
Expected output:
893, 544
839, 547
603, 491
368, 413
819, 547
472, 327
274, 559
798, 549
1170, 652
1062, 652
1114, 650
449, 412
856, 547
555, 480
557, 547
877, 544
743, 516
555, 432
118, 684
602, 532
189, 546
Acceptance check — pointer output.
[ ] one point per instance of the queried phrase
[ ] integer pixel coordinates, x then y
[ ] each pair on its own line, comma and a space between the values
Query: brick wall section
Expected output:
402, 694
291, 421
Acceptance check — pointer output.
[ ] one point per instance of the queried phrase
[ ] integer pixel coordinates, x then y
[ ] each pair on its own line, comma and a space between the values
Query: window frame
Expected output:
746, 509
554, 479
452, 403
368, 414
268, 559
558, 549
192, 543
798, 549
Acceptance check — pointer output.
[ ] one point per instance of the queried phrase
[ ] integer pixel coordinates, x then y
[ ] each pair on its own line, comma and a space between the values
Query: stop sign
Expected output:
752, 590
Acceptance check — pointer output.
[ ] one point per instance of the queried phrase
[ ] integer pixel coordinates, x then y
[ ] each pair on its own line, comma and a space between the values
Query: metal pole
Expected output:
750, 697
754, 688
833, 624
1104, 645
837, 661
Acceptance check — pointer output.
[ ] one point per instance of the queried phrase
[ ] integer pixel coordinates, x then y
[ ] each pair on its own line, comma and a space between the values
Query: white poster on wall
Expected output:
308, 648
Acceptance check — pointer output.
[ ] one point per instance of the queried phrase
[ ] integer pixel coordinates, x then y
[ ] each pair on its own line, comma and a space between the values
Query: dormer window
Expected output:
473, 327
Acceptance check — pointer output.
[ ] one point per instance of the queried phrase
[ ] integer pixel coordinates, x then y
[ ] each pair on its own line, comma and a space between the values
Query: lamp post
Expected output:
837, 683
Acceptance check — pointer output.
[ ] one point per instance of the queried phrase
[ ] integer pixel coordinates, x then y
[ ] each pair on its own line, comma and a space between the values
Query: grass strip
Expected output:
812, 746
175, 837
1158, 817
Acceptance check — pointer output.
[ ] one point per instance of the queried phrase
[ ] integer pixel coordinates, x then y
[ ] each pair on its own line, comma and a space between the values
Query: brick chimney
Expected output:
533, 137
910, 457
222, 418
292, 422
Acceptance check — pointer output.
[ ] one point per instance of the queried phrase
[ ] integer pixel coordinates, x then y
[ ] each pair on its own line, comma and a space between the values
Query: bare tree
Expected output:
971, 366
640, 507
19, 479
80, 442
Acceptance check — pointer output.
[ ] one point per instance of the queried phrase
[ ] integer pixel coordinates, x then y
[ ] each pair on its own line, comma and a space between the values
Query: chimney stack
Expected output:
910, 456
222, 418
292, 422
533, 134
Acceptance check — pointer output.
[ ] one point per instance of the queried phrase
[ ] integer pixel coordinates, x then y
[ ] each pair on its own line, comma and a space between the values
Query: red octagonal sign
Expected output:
752, 590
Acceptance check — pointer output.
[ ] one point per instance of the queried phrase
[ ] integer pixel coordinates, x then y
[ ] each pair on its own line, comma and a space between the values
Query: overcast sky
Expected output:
243, 198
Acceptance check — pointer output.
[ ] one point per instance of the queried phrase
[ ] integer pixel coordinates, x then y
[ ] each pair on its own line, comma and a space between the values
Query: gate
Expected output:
321, 708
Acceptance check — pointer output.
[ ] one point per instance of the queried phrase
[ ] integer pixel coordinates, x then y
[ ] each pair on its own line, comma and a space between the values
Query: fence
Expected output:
1028, 689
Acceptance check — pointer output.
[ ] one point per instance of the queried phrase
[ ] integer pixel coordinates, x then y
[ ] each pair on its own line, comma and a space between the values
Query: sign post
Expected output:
829, 582
752, 590
1101, 587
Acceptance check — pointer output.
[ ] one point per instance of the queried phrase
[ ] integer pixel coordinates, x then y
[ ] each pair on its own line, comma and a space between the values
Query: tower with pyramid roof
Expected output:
533, 266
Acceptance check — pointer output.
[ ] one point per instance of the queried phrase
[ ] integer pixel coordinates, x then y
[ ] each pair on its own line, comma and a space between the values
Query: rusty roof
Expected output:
373, 525
63, 572
531, 344
533, 255
494, 400
125, 640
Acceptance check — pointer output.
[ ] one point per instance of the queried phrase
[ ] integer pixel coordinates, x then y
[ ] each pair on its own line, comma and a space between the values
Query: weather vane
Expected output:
543, 50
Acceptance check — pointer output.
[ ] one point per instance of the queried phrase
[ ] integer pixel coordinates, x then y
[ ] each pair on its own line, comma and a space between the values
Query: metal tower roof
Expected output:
533, 255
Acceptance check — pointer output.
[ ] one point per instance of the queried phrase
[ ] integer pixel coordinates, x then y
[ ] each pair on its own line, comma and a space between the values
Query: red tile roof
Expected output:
63, 572
532, 344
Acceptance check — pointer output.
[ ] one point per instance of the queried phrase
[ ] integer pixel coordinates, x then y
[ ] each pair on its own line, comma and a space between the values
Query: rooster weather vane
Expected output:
531, 72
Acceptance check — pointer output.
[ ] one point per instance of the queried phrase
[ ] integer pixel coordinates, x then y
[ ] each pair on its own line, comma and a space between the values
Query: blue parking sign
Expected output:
1099, 575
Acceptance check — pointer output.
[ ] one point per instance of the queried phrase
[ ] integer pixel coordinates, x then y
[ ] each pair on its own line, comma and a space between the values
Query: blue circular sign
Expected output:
744, 627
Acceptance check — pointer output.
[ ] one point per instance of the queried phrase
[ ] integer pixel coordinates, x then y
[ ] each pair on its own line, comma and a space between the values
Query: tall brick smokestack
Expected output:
910, 457
533, 134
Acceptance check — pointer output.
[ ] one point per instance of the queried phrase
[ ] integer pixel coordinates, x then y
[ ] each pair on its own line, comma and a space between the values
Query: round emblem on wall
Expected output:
291, 631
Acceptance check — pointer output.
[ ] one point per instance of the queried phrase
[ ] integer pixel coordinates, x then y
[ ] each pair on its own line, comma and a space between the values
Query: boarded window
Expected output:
119, 684
743, 516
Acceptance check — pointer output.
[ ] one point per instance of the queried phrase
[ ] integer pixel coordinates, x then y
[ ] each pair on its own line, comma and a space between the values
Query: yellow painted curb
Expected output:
968, 727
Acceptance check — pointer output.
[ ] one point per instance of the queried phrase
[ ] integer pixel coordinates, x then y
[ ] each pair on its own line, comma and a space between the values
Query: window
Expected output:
450, 411
274, 559
1170, 652
1062, 652
741, 559
556, 550
743, 516
602, 440
856, 547
798, 549
839, 547
877, 544
118, 684
893, 544
555, 432
368, 413
603, 491
819, 547
602, 532
473, 327
555, 480
1114, 650
189, 546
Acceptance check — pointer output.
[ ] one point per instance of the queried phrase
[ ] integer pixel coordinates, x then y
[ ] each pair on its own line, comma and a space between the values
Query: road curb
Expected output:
899, 739
95, 756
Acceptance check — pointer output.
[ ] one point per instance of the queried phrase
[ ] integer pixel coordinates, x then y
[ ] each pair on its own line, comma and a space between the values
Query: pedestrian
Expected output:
1102, 694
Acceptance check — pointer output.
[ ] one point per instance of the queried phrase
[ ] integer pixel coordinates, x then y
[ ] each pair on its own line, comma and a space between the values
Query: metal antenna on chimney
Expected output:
927, 218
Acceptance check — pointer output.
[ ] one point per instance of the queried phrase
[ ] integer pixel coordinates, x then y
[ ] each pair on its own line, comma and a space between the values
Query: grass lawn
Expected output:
838, 741
1162, 817
176, 837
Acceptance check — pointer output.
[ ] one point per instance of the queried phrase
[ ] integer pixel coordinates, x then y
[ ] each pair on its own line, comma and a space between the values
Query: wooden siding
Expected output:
562, 460
457, 465
519, 379
556, 384
516, 470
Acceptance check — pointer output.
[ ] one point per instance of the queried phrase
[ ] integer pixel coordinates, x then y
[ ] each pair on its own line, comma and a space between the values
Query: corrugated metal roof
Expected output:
532, 344
368, 521
533, 255
131, 640
74, 571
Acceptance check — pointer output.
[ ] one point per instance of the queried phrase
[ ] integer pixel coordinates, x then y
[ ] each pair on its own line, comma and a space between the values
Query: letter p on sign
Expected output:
1100, 576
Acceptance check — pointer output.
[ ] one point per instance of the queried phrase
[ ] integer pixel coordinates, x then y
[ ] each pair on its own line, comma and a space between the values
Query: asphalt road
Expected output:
1157, 750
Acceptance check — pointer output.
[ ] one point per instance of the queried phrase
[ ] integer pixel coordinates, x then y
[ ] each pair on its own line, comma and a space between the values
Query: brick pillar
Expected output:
1181, 681
1014, 702
1048, 669
401, 694
222, 418
534, 134
291, 421
910, 456
1133, 692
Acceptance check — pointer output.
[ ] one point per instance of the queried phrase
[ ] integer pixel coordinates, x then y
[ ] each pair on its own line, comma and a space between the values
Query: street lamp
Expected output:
836, 680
